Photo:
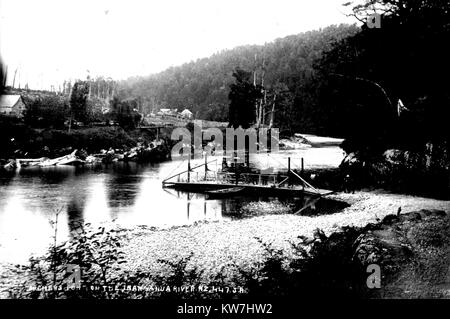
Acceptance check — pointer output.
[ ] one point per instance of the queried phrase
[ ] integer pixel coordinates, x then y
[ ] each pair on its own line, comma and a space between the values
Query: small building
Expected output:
164, 112
186, 114
167, 112
12, 105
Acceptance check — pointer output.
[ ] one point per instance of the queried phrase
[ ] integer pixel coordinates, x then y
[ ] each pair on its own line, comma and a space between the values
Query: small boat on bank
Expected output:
70, 159
224, 192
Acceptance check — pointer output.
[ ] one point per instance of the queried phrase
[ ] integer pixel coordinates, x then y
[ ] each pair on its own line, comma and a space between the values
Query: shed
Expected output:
11, 104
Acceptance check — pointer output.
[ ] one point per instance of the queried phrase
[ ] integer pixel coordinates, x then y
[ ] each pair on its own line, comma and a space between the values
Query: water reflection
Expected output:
123, 186
75, 216
125, 193
48, 175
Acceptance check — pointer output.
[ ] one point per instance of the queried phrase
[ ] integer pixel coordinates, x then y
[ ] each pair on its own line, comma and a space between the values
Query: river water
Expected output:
127, 194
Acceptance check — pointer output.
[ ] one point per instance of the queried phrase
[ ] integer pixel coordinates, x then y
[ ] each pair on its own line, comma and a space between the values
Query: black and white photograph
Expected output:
219, 155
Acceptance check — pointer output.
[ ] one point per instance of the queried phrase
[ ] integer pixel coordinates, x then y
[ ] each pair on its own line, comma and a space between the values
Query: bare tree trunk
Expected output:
262, 100
14, 78
256, 103
273, 111
70, 89
263, 120
254, 72
5, 76
263, 108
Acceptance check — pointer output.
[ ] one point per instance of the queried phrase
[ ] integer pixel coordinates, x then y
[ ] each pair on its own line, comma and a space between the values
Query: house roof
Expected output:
186, 111
10, 100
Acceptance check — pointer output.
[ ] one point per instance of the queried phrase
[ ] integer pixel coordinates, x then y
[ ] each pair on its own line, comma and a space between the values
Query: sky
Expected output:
49, 41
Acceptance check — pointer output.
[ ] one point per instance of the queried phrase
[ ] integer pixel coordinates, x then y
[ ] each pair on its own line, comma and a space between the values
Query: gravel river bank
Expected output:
217, 245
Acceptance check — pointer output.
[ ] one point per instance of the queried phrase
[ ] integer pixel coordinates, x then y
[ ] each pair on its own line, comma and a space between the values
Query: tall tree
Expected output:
3, 72
125, 113
78, 101
365, 75
243, 98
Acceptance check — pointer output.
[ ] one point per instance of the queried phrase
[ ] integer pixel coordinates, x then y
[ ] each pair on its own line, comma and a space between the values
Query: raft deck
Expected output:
251, 183
201, 187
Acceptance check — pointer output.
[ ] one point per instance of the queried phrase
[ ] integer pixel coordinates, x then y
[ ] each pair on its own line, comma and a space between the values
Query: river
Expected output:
127, 194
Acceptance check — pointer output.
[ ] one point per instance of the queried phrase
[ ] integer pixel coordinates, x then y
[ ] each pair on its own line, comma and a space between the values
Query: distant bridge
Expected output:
152, 127
155, 127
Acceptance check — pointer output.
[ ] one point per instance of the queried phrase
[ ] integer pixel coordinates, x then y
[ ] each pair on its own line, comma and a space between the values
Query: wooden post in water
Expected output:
247, 158
235, 168
188, 207
289, 171
206, 165
303, 168
189, 169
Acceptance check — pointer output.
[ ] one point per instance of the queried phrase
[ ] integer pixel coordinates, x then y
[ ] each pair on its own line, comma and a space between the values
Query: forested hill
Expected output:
203, 86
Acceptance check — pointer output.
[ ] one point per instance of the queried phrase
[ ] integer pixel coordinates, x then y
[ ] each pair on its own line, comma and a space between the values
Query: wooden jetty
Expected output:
242, 183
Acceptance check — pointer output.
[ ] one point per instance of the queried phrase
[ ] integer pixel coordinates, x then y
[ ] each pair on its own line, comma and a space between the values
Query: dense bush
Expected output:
13, 135
97, 255
203, 85
91, 139
423, 172
125, 113
52, 111
46, 111
96, 109
325, 269
20, 141
365, 75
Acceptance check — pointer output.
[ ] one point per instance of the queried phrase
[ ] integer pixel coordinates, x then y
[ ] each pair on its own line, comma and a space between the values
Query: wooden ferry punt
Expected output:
216, 183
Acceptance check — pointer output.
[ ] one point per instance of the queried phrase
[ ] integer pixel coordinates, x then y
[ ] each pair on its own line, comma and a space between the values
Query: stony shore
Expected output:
217, 245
